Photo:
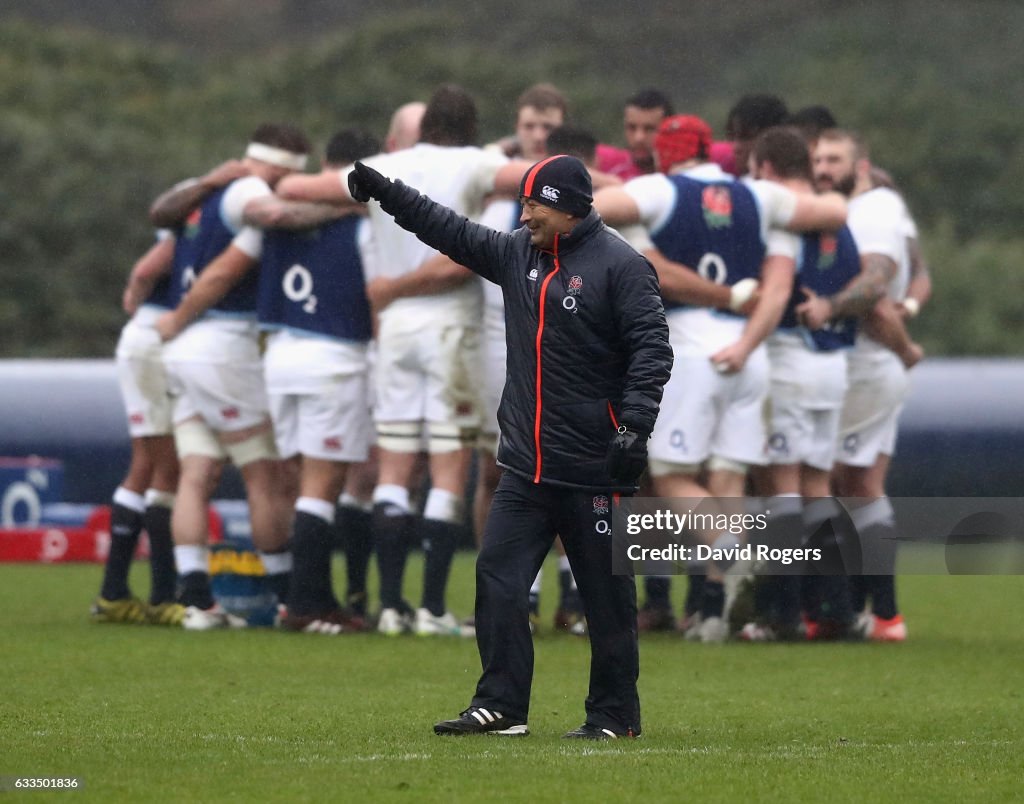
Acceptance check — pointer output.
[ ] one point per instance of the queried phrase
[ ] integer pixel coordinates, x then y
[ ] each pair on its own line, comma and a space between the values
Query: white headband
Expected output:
276, 156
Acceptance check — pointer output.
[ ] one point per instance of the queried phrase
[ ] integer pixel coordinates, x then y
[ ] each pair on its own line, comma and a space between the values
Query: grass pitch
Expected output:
149, 714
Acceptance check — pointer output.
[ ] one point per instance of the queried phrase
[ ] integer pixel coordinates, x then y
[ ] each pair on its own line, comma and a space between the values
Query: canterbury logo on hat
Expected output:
560, 182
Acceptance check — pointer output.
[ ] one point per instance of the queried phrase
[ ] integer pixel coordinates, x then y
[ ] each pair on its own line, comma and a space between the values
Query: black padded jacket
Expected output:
588, 346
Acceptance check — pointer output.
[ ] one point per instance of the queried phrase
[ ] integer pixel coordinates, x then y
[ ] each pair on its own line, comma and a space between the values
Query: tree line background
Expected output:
107, 102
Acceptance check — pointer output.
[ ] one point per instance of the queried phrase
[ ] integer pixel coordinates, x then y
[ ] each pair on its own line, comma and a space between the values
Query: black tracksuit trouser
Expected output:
524, 519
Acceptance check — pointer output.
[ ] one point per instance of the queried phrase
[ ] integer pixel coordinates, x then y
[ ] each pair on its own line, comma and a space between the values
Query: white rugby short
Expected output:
705, 413
217, 374
333, 425
143, 381
799, 434
806, 395
428, 375
867, 428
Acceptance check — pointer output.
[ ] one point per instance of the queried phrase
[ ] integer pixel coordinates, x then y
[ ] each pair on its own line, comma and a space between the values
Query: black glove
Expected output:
627, 456
365, 183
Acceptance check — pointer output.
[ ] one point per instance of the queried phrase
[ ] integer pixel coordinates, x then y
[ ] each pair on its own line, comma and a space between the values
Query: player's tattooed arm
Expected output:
864, 291
272, 212
174, 205
858, 298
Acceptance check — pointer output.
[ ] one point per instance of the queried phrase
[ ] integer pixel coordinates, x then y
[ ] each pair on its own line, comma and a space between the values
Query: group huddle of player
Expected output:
353, 375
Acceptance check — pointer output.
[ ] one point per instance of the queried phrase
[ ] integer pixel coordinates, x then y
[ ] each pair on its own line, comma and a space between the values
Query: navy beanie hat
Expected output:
561, 182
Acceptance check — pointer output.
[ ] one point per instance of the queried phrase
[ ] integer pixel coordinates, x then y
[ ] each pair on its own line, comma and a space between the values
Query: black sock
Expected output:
355, 527
880, 548
162, 571
568, 596
391, 528
194, 590
310, 590
836, 608
695, 591
834, 537
439, 542
713, 604
280, 584
125, 526
766, 599
883, 595
810, 596
788, 605
785, 532
657, 589
858, 592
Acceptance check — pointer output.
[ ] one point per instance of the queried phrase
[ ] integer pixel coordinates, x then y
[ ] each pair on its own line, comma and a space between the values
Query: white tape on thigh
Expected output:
488, 442
194, 437
659, 468
400, 436
718, 464
448, 437
256, 447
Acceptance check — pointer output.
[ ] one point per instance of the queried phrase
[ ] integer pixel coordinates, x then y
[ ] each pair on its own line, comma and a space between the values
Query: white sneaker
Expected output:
691, 627
197, 619
863, 624
714, 630
752, 632
428, 624
392, 622
738, 576
579, 628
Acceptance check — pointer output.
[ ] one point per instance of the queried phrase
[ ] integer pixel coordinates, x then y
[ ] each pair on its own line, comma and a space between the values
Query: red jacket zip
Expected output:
540, 333
611, 414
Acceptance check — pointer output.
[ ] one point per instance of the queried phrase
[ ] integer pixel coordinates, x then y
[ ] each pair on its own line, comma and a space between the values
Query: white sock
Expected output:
129, 499
191, 558
394, 494
316, 507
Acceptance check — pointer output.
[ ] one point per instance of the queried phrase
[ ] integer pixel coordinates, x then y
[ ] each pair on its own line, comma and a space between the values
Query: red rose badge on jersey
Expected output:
717, 206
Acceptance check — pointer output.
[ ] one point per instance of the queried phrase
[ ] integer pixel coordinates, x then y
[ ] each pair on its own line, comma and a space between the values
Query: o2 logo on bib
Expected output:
297, 285
713, 268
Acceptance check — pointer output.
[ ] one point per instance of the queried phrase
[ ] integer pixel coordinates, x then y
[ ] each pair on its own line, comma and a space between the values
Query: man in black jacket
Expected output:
588, 355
